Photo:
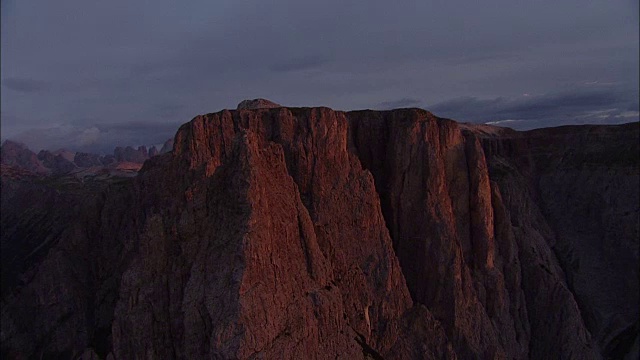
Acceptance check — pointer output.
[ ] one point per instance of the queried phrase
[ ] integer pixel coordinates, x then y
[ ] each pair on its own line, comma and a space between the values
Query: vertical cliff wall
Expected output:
308, 232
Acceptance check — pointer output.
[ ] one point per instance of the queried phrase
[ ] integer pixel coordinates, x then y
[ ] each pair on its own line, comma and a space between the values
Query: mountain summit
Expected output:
257, 104
309, 233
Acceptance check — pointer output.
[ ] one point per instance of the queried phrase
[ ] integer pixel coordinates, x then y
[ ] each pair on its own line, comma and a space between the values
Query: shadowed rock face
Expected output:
167, 147
153, 151
58, 164
586, 184
87, 160
129, 154
299, 232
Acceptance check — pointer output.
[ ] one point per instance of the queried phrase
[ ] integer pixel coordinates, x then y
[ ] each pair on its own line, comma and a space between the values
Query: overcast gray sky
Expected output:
95, 74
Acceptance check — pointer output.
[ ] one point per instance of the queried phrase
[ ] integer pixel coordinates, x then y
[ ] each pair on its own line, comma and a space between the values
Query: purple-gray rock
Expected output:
297, 233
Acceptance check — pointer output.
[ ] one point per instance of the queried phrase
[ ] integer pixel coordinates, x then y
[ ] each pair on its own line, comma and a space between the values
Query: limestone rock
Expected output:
19, 156
257, 104
305, 232
57, 163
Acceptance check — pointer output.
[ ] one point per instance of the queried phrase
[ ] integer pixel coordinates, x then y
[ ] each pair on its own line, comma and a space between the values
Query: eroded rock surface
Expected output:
257, 104
585, 180
18, 155
276, 232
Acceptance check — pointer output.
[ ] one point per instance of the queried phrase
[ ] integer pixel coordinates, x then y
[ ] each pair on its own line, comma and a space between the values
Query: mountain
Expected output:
313, 233
66, 154
130, 154
56, 164
257, 104
166, 147
18, 155
124, 162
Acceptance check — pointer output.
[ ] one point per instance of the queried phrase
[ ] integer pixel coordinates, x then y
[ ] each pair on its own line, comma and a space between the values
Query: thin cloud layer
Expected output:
101, 138
76, 64
400, 103
581, 106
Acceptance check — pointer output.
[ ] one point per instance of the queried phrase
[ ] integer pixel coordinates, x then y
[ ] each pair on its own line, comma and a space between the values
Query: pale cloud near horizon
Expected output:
100, 138
75, 65
584, 105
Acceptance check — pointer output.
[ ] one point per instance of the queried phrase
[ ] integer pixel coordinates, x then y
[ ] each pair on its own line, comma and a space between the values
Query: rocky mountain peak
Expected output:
314, 233
257, 104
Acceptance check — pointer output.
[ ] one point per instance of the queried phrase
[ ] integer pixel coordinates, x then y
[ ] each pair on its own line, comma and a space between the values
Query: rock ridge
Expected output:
296, 232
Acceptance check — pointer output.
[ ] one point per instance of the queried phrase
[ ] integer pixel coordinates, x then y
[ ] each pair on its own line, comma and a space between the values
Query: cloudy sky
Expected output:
95, 74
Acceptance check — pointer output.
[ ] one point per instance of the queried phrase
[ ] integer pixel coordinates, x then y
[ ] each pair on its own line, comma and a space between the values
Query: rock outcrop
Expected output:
585, 183
153, 151
257, 104
66, 154
276, 232
67, 163
167, 147
18, 155
83, 159
58, 164
130, 154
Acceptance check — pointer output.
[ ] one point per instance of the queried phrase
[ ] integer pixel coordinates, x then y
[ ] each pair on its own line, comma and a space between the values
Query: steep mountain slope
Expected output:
312, 233
587, 184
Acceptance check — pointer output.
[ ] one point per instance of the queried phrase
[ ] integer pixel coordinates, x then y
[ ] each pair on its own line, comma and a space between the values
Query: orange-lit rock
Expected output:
273, 232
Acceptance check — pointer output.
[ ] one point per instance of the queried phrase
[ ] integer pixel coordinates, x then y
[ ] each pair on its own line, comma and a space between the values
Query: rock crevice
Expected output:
296, 232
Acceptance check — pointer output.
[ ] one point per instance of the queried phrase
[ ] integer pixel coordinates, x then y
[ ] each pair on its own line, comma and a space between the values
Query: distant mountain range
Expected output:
125, 161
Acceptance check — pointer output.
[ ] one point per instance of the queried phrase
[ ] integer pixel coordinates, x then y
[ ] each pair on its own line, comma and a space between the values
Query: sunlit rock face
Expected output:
257, 104
274, 232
